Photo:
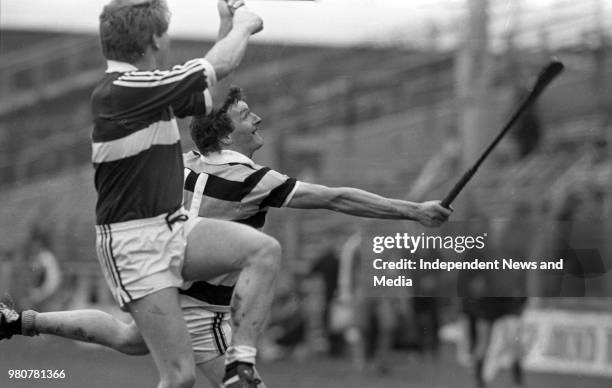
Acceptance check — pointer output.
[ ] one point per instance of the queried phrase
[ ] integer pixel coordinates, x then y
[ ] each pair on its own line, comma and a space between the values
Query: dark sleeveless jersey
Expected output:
136, 148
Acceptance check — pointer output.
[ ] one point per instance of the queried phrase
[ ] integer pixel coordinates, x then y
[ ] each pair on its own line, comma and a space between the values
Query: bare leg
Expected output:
214, 370
93, 326
217, 247
157, 313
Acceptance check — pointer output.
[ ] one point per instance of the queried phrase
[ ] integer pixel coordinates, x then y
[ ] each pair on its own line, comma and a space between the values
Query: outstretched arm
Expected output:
362, 203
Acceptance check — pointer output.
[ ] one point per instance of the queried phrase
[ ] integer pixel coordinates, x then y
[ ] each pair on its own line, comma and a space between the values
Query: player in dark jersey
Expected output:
140, 223
221, 181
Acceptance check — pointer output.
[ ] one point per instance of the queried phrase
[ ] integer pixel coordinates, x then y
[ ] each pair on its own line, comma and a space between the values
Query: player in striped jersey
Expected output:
222, 181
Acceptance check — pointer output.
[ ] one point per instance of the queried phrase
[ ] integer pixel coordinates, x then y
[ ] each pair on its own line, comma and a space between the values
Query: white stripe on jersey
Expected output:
148, 75
208, 102
155, 81
138, 79
198, 192
290, 196
160, 133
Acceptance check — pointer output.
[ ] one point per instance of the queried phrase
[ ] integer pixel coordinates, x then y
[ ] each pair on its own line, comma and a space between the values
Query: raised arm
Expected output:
197, 102
362, 203
226, 10
226, 54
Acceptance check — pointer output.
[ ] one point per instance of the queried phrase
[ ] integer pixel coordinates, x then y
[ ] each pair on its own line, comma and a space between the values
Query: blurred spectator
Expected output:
378, 322
469, 321
327, 267
45, 271
575, 234
497, 312
344, 305
376, 313
472, 285
14, 277
498, 338
426, 306
6, 272
6, 269
427, 319
528, 130
286, 328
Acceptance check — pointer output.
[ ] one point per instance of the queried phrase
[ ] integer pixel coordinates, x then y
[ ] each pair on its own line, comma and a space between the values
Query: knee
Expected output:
182, 374
131, 342
268, 255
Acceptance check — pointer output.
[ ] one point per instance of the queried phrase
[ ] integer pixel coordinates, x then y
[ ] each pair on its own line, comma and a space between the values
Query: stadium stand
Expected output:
392, 105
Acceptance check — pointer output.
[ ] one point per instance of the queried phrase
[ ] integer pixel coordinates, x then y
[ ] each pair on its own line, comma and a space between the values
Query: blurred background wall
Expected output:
369, 114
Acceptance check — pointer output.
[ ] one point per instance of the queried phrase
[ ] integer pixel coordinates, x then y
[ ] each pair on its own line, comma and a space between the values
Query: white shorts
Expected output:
140, 257
210, 332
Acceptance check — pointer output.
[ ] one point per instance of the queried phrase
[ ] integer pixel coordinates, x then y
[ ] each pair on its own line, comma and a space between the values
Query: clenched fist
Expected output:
244, 18
226, 8
432, 214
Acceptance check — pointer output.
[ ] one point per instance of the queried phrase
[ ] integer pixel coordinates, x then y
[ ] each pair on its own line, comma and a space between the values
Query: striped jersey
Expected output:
228, 185
136, 149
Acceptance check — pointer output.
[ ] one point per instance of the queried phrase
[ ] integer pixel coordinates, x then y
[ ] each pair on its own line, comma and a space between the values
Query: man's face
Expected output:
245, 137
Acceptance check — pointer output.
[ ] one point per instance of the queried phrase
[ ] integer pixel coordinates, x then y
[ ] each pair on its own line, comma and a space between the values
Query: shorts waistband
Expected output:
161, 219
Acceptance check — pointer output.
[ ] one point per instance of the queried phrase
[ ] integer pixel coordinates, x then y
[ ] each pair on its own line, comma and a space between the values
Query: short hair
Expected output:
208, 130
126, 27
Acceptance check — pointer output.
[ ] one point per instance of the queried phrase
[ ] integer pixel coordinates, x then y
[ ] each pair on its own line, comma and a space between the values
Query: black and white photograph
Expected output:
306, 193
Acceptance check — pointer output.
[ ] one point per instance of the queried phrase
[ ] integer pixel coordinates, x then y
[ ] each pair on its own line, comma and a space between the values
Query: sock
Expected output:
14, 326
27, 323
240, 353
